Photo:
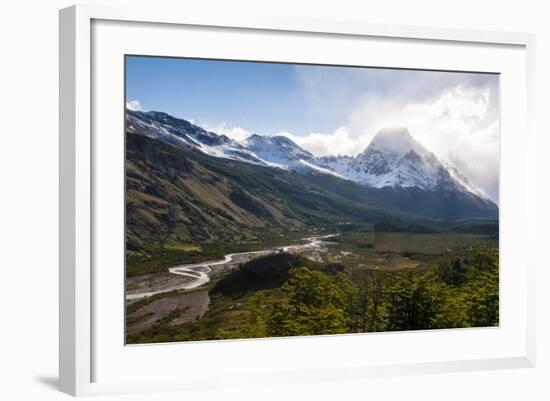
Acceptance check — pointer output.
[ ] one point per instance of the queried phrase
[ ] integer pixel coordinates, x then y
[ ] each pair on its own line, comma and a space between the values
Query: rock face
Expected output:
393, 162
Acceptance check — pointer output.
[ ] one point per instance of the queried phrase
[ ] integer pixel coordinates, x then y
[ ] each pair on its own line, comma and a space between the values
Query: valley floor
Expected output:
374, 265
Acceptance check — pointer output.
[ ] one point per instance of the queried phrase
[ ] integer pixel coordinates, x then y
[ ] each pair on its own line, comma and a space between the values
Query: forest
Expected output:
288, 295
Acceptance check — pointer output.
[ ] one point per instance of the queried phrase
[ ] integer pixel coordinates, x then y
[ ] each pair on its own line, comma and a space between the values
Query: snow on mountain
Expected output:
182, 133
392, 159
455, 174
322, 170
277, 149
395, 159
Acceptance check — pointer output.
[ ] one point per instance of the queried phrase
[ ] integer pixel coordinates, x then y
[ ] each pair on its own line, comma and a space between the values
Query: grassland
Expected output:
394, 251
159, 257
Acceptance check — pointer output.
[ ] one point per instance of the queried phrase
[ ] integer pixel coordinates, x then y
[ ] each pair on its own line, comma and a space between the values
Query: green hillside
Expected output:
176, 197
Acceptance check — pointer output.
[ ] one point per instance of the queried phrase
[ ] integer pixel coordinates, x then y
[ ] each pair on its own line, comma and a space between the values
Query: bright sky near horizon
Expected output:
328, 109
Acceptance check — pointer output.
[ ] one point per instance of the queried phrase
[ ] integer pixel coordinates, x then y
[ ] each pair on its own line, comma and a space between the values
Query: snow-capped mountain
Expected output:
278, 149
270, 151
182, 133
393, 159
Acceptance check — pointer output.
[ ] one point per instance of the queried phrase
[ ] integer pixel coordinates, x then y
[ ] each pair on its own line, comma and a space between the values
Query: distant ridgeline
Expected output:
186, 184
490, 227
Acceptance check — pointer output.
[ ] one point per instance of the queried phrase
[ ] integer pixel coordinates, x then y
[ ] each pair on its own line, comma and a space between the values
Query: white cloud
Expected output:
338, 142
134, 105
454, 115
236, 133
478, 158
461, 126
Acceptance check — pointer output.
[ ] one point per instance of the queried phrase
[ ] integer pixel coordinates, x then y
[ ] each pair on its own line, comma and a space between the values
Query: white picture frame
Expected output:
79, 344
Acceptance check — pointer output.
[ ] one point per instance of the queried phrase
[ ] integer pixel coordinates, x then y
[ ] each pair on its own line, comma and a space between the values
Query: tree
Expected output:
314, 303
355, 304
484, 259
411, 304
376, 289
453, 273
358, 310
255, 317
483, 308
365, 303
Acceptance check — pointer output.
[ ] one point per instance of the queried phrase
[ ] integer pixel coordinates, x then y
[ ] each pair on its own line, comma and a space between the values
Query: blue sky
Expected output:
330, 110
260, 96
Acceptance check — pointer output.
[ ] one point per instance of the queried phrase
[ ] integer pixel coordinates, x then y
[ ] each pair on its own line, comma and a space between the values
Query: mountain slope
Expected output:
392, 159
271, 151
395, 171
176, 195
437, 205
410, 178
184, 135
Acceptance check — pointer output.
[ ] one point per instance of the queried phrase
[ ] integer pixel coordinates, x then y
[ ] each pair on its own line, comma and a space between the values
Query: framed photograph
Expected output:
356, 199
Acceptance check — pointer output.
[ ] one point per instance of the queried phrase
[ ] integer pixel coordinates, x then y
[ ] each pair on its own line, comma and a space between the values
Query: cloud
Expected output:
455, 115
460, 125
338, 142
134, 105
236, 133
478, 158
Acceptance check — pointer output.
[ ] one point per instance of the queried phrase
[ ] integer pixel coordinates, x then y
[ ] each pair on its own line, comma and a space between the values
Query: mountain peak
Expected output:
396, 140
277, 149
395, 132
279, 140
